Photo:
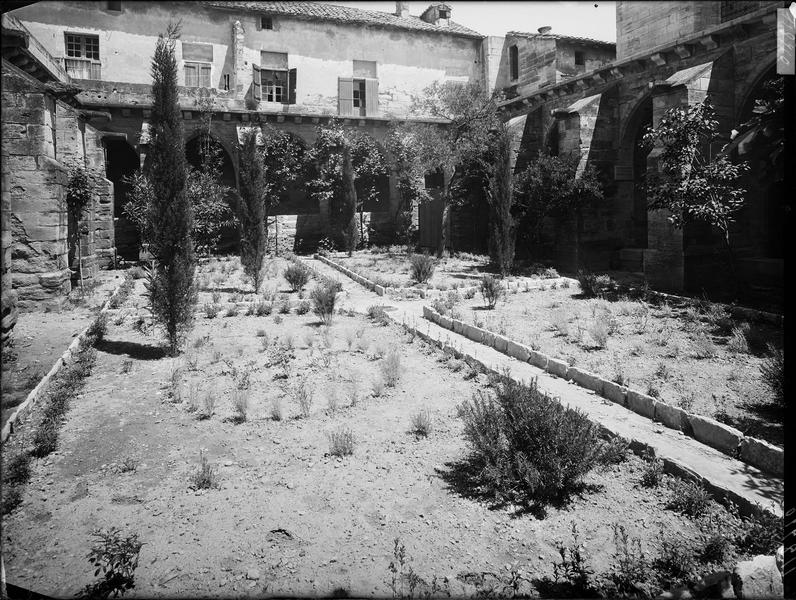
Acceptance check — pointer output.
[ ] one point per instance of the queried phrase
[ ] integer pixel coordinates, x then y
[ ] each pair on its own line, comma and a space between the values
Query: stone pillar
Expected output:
35, 184
243, 72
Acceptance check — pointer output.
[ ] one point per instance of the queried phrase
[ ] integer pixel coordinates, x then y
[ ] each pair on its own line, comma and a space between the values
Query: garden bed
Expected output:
701, 360
285, 516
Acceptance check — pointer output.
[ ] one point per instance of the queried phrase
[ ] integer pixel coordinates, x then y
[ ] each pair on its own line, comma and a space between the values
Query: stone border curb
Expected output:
43, 385
425, 293
729, 440
671, 466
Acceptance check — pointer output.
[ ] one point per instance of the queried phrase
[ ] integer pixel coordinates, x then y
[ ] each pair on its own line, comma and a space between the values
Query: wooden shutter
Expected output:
291, 86
345, 96
371, 97
256, 90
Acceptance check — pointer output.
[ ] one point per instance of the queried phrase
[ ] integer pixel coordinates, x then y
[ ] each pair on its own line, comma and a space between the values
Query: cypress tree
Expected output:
250, 208
172, 292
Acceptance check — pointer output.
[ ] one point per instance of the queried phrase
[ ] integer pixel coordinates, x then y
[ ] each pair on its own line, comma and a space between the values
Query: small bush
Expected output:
391, 367
598, 330
16, 470
716, 548
297, 276
689, 498
421, 423
378, 314
704, 347
653, 473
232, 311
529, 447
204, 478
572, 575
378, 387
341, 442
284, 306
276, 410
208, 404
240, 404
96, 331
763, 533
772, 371
262, 308
675, 562
304, 398
631, 569
45, 440
738, 342
491, 290
594, 286
303, 307
615, 451
421, 267
116, 558
324, 297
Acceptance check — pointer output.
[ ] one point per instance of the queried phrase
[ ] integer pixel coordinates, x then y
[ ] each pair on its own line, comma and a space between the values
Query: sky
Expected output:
595, 20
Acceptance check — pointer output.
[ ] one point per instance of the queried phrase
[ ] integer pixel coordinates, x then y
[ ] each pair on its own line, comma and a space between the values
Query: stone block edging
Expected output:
730, 441
43, 385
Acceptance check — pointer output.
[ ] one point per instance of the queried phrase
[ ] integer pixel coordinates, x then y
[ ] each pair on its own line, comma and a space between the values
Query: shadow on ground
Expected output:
132, 349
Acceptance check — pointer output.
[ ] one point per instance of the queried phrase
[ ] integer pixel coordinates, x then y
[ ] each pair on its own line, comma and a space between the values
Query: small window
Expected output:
266, 23
197, 75
444, 14
580, 59
225, 81
359, 93
82, 46
115, 6
514, 62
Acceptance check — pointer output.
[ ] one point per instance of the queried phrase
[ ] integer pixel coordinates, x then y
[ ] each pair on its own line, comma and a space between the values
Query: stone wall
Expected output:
34, 189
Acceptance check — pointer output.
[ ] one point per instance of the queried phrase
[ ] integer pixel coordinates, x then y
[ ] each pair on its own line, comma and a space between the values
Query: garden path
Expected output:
723, 475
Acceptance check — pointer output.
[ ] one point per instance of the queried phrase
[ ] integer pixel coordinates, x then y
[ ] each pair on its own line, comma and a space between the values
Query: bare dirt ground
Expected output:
685, 357
288, 518
41, 337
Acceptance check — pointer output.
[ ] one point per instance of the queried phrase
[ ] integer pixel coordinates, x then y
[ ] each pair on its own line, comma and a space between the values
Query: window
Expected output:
82, 56
115, 6
514, 62
580, 59
444, 14
266, 23
82, 46
272, 85
197, 74
225, 81
358, 97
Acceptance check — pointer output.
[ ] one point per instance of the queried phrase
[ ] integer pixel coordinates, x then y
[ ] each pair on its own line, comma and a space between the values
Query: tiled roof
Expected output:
556, 36
341, 14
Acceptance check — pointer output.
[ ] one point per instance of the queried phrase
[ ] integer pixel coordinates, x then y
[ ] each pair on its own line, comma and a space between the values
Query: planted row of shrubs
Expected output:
63, 388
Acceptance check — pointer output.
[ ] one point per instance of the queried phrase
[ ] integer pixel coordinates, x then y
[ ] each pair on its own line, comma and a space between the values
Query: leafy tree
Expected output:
284, 158
249, 208
206, 193
410, 180
138, 208
171, 289
691, 181
469, 115
550, 186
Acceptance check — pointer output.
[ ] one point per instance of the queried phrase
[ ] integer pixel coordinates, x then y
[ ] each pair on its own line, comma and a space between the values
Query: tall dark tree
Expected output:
350, 230
172, 291
250, 208
499, 194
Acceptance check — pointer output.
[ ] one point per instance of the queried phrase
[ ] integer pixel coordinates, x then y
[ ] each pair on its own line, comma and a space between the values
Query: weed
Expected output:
303, 396
689, 498
297, 276
116, 558
216, 296
331, 400
303, 307
377, 387
598, 330
593, 286
662, 371
619, 377
262, 308
762, 533
422, 423
378, 314
276, 410
560, 322
204, 477
675, 561
491, 290
129, 464
277, 319
686, 401
652, 474
127, 365
715, 548
353, 394
391, 367
704, 347
653, 390
421, 267
96, 331
632, 571
216, 356
738, 342
615, 451
240, 404
208, 404
231, 311
573, 575
284, 306
341, 442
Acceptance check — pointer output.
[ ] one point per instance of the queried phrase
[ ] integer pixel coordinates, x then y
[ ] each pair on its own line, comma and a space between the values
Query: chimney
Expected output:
545, 29
402, 9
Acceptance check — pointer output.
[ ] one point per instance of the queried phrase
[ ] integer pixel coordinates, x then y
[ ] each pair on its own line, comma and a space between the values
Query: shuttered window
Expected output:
358, 97
197, 75
256, 92
371, 97
275, 86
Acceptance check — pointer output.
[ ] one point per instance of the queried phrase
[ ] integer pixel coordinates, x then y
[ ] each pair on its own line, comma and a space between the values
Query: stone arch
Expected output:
122, 160
228, 170
631, 167
752, 85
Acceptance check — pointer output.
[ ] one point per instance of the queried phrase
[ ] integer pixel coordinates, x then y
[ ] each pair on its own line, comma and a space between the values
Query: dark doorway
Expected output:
122, 161
642, 120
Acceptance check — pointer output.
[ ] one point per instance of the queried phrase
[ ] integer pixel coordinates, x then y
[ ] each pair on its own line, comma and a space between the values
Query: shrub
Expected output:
549, 273
116, 557
704, 347
304, 397
16, 470
204, 477
491, 290
211, 310
421, 423
631, 569
738, 342
598, 330
763, 533
675, 562
262, 308
391, 367
715, 548
297, 276
528, 446
303, 307
593, 286
689, 498
208, 404
653, 473
615, 451
772, 370
378, 314
45, 440
378, 387
11, 498
324, 297
341, 442
421, 267
284, 306
240, 404
276, 410
96, 331
232, 311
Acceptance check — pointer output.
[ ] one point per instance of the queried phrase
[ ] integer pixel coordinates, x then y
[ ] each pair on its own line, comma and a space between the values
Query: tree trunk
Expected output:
447, 179
350, 230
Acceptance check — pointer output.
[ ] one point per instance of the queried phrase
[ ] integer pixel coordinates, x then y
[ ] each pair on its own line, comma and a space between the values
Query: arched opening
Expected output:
295, 200
122, 161
643, 120
629, 176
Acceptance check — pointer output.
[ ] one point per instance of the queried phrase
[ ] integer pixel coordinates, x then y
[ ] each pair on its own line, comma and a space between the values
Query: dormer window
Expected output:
444, 13
580, 59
